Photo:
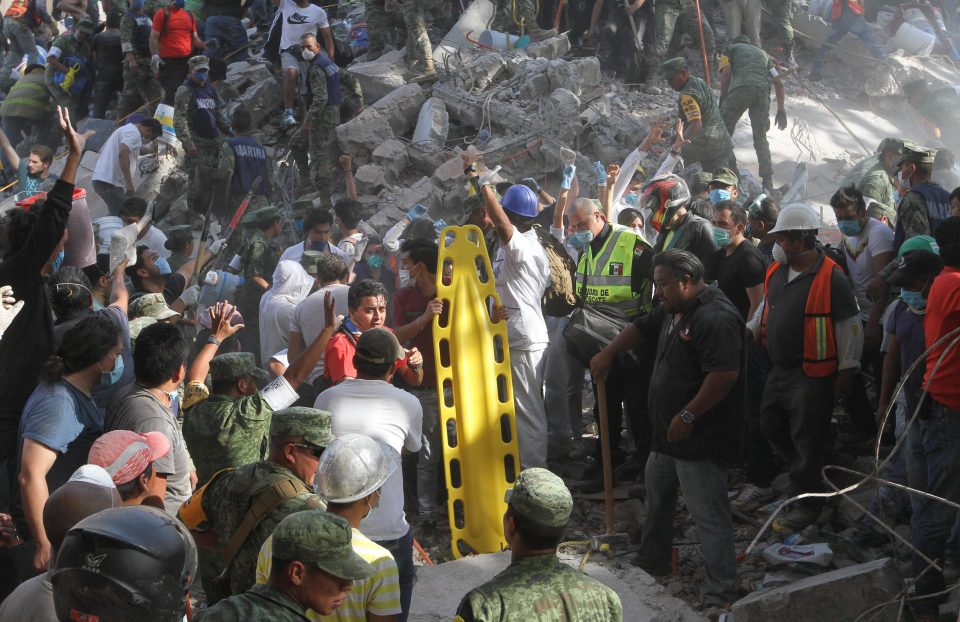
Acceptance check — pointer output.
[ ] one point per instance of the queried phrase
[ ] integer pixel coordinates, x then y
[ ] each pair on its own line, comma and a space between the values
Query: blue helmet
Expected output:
521, 201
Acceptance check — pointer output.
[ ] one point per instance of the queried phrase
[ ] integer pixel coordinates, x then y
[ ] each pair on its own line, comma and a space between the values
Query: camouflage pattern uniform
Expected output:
382, 28
942, 108
915, 216
670, 14
782, 11
208, 148
226, 432
876, 185
419, 47
69, 46
226, 500
749, 90
712, 147
143, 85
508, 15
323, 116
258, 257
352, 103
540, 585
311, 537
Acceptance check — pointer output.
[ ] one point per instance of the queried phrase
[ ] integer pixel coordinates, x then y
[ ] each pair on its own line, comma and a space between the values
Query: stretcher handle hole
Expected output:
498, 348
444, 318
481, 270
451, 433
465, 549
502, 388
505, 432
448, 393
458, 515
455, 480
444, 347
509, 468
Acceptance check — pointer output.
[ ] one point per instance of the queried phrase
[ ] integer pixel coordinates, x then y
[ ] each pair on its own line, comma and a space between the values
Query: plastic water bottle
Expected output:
483, 137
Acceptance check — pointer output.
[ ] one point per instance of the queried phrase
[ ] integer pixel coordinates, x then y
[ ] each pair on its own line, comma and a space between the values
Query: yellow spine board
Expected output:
477, 419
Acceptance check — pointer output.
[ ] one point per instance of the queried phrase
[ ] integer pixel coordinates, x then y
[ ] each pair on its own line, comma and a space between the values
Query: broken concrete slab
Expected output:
400, 107
536, 85
484, 71
380, 77
391, 155
839, 595
551, 48
588, 71
261, 99
475, 19
851, 50
241, 75
370, 178
433, 124
362, 134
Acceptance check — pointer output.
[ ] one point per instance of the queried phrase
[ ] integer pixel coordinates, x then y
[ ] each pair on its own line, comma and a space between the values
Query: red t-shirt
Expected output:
338, 358
943, 316
177, 41
409, 304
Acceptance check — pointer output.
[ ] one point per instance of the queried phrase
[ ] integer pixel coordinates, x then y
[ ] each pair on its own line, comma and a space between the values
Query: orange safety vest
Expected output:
819, 340
837, 8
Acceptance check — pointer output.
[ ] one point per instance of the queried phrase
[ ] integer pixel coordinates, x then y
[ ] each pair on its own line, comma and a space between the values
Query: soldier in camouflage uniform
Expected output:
514, 15
940, 109
384, 20
538, 509
198, 117
298, 437
872, 177
139, 82
710, 143
316, 135
258, 259
671, 14
782, 11
746, 73
70, 46
925, 204
315, 539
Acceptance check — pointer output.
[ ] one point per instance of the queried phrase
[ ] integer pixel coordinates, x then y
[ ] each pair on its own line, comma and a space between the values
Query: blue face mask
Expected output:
163, 266
719, 194
896, 198
202, 75
721, 237
108, 378
849, 227
375, 261
631, 199
319, 246
914, 300
580, 239
57, 262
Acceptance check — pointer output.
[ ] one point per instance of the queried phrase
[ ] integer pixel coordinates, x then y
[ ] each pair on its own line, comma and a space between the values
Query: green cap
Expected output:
236, 365
198, 62
919, 243
312, 424
309, 261
542, 497
379, 346
267, 215
724, 176
151, 305
673, 66
137, 324
913, 153
86, 26
180, 232
322, 538
741, 39
890, 144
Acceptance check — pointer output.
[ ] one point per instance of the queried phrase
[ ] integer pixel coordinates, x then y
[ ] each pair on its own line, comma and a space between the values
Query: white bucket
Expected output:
498, 40
912, 40
103, 229
164, 115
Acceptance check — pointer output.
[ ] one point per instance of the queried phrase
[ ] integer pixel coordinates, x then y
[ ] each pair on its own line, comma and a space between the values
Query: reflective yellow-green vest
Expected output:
609, 273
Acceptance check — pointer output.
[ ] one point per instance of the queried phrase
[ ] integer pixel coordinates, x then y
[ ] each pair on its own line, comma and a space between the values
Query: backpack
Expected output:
560, 297
166, 20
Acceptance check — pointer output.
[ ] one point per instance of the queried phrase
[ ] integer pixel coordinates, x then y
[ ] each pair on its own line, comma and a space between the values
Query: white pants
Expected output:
745, 12
527, 370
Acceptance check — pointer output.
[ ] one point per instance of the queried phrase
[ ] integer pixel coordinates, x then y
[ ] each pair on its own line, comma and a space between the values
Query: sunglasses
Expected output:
313, 449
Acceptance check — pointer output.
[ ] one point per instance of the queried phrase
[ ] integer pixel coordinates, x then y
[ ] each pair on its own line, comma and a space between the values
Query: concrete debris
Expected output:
433, 124
551, 48
260, 99
380, 77
370, 179
243, 74
400, 108
483, 71
392, 157
839, 595
362, 134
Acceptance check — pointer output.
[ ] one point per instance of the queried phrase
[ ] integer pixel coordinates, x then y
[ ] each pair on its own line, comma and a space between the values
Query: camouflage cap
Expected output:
912, 153
151, 305
673, 66
86, 26
299, 421
542, 497
198, 62
236, 365
724, 176
321, 538
301, 206
890, 144
180, 232
309, 261
137, 324
267, 215
470, 204
379, 346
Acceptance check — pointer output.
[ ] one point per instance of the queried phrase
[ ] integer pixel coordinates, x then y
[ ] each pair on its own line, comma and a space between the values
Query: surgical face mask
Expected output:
173, 396
631, 199
318, 245
580, 239
163, 266
308, 55
896, 198
202, 75
849, 227
637, 230
914, 300
721, 237
404, 276
57, 262
108, 378
375, 261
778, 254
719, 194
903, 181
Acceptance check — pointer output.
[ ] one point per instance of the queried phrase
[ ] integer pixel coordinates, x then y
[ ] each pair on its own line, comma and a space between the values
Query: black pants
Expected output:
173, 72
103, 93
761, 463
45, 128
617, 48
859, 406
627, 386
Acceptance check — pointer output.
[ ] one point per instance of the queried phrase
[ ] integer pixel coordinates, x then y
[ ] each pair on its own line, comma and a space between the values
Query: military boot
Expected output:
538, 34
429, 72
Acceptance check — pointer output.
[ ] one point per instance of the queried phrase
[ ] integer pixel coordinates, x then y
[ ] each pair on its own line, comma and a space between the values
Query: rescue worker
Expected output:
269, 490
26, 109
317, 136
21, 21
670, 14
384, 20
846, 16
925, 204
810, 326
940, 109
515, 16
746, 73
872, 177
180, 244
419, 49
258, 259
198, 116
667, 200
710, 143
248, 159
69, 55
782, 11
140, 85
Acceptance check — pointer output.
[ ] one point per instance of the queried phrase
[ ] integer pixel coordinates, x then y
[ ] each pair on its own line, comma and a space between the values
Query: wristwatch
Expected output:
688, 417
213, 340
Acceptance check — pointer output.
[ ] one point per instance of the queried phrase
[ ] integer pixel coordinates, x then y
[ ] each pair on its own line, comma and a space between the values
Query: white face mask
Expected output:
778, 254
308, 55
905, 182
404, 277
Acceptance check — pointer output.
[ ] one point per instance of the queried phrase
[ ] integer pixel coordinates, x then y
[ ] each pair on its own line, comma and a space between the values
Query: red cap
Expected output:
125, 454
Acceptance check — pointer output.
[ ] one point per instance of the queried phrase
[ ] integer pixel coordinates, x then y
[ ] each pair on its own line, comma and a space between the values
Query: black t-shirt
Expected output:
707, 338
106, 45
734, 273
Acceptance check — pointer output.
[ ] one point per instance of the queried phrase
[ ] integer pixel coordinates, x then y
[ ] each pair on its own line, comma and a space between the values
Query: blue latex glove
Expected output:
439, 225
601, 173
417, 211
569, 171
533, 182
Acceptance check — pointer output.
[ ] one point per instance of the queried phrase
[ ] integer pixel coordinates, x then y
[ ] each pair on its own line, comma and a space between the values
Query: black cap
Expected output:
914, 265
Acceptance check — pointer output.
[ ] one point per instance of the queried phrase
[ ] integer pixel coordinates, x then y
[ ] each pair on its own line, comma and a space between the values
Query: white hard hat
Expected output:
797, 217
352, 467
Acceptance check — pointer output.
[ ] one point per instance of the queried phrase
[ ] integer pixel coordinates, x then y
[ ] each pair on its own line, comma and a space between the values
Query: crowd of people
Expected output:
252, 417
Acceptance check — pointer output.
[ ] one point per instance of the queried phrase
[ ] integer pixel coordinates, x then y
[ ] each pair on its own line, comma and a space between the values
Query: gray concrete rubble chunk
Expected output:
425, 192
261, 99
588, 70
400, 108
385, 217
391, 155
536, 85
380, 77
450, 171
362, 134
484, 71
369, 178
566, 102
242, 74
839, 595
433, 124
562, 75
551, 48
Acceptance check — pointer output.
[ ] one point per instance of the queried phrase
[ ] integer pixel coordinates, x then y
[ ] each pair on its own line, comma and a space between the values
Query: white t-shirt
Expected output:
295, 252
299, 20
108, 166
308, 318
154, 239
522, 275
875, 239
389, 415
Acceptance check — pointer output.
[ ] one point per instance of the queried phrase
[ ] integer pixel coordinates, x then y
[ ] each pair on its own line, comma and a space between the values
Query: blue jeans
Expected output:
113, 196
704, 486
855, 25
402, 551
229, 31
934, 464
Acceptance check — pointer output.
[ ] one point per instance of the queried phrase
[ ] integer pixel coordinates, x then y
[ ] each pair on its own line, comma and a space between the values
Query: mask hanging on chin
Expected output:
778, 254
